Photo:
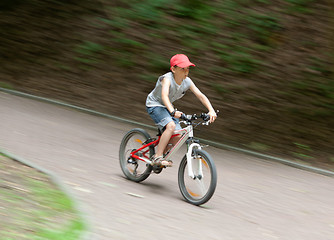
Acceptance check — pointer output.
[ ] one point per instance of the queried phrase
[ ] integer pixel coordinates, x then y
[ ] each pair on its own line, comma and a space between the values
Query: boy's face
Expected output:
180, 73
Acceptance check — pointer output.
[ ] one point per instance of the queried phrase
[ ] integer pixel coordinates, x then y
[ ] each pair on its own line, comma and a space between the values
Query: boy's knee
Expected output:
171, 126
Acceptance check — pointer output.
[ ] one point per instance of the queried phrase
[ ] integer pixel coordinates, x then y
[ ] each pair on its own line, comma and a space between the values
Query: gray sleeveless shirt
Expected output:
175, 91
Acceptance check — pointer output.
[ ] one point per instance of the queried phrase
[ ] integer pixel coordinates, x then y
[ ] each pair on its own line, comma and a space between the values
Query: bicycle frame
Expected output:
185, 133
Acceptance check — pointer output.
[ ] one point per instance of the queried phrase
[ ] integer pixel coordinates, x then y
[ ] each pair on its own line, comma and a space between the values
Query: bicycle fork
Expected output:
194, 162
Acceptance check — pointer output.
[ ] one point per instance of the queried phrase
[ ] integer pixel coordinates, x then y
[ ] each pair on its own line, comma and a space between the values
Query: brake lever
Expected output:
206, 123
183, 117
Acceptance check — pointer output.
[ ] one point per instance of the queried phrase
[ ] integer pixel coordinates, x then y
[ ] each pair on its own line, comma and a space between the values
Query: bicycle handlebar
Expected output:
189, 118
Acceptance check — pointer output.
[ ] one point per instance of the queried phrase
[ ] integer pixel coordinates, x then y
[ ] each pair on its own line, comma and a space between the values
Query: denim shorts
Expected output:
161, 117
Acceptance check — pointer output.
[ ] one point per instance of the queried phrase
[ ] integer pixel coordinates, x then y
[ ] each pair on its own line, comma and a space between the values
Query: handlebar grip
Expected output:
206, 117
183, 117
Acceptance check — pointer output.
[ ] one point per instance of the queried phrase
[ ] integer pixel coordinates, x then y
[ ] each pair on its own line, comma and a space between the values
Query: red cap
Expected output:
181, 61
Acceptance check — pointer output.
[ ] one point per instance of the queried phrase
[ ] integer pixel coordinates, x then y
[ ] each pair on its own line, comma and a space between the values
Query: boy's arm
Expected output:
205, 101
165, 83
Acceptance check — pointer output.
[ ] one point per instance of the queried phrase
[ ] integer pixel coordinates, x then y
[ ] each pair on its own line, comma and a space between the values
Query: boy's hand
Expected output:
213, 116
178, 114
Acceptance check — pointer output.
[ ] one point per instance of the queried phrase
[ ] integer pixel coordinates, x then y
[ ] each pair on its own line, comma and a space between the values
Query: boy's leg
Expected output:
172, 141
165, 137
162, 118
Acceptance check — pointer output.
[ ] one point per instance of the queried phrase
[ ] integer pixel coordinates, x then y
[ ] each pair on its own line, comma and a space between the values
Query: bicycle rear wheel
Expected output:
198, 190
132, 168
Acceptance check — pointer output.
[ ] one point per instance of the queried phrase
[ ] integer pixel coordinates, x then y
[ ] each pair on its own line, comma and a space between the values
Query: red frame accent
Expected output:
155, 142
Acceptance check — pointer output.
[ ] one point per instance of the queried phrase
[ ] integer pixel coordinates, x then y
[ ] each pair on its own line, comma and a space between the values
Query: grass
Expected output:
258, 146
301, 6
219, 88
303, 151
70, 232
32, 207
6, 85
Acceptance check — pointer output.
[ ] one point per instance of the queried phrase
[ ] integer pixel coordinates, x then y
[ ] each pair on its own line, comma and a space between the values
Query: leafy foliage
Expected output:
302, 6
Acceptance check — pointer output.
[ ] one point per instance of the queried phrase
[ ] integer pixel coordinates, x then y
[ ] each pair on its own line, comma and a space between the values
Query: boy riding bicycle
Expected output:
170, 87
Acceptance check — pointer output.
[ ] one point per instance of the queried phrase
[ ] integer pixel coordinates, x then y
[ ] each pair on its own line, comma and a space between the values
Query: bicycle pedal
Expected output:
157, 169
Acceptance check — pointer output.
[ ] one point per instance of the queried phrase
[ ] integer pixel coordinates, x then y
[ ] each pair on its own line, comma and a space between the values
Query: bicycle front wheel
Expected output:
133, 169
199, 189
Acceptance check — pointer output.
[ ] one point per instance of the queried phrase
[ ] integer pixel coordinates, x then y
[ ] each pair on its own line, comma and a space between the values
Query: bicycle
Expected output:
197, 176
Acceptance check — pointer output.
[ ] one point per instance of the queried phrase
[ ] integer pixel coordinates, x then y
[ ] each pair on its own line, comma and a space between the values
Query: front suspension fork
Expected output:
192, 148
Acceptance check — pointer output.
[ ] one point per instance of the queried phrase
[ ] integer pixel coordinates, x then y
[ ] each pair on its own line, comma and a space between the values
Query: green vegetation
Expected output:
6, 85
258, 146
304, 151
198, 28
301, 6
33, 208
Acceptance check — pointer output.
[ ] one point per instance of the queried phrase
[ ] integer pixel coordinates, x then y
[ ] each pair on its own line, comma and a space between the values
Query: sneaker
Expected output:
160, 161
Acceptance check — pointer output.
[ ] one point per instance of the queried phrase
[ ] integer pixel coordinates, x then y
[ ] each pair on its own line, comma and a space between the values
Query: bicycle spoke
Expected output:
192, 193
133, 168
200, 189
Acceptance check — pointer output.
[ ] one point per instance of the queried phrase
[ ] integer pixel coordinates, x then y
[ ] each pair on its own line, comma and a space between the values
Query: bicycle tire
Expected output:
192, 189
132, 140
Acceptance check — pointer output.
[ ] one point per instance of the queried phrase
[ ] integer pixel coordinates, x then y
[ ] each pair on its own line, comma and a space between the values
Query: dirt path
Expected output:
255, 199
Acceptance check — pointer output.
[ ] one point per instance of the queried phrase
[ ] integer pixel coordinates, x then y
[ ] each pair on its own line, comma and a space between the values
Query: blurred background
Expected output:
266, 65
